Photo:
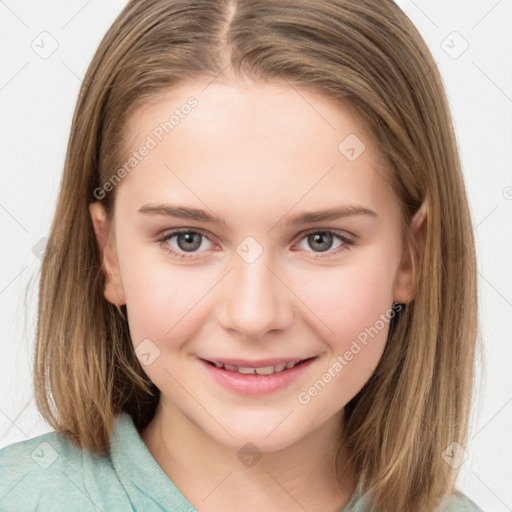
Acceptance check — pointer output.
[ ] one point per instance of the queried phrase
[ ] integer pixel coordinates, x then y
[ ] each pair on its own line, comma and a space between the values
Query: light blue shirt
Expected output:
50, 474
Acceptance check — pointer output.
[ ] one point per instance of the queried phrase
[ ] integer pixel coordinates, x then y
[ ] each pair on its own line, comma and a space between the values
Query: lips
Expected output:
255, 377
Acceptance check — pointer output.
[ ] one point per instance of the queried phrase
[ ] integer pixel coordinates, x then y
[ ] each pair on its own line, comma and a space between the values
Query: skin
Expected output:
254, 154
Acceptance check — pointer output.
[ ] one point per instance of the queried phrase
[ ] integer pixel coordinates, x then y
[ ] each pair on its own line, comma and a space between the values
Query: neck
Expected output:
215, 478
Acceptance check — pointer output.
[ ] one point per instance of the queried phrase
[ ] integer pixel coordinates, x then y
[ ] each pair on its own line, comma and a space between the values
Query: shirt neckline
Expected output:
143, 478
138, 471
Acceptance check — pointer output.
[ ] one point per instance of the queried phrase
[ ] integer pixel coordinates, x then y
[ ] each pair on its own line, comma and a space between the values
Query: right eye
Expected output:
186, 243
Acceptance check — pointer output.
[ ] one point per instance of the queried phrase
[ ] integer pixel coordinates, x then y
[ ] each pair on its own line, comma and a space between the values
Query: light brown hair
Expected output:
365, 53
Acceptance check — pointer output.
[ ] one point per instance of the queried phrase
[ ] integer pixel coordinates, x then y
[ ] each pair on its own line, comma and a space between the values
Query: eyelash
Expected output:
162, 240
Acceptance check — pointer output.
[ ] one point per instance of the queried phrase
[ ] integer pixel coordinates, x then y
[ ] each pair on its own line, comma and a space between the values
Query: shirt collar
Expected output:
142, 478
145, 481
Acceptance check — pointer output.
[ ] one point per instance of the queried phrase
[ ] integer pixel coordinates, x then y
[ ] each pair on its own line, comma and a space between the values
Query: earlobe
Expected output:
405, 281
113, 291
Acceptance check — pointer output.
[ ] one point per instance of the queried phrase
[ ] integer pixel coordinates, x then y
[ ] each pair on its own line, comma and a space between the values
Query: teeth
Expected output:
241, 369
263, 370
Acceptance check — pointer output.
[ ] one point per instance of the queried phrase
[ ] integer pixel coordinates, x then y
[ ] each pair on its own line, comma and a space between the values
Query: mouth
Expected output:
256, 378
262, 367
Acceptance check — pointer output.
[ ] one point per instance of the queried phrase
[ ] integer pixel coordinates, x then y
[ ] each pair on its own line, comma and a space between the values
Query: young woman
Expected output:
259, 289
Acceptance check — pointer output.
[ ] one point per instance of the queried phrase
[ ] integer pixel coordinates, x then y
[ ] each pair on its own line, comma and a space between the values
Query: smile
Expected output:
260, 370
256, 377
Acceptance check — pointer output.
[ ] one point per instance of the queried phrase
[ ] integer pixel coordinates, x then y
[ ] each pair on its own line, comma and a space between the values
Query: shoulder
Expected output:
459, 502
49, 472
455, 502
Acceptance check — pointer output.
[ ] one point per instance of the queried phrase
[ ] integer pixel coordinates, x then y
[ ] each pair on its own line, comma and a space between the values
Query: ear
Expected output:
404, 289
113, 287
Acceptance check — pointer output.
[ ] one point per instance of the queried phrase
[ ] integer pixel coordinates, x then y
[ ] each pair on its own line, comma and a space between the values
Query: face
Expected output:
257, 276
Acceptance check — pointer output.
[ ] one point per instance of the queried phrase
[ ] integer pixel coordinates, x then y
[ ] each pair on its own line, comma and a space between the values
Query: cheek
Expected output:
160, 298
348, 298
353, 312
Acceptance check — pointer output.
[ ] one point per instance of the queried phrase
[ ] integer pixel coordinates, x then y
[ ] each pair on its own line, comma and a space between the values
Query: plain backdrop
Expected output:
472, 44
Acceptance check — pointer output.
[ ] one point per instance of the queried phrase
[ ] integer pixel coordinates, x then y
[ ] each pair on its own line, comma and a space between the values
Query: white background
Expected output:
37, 99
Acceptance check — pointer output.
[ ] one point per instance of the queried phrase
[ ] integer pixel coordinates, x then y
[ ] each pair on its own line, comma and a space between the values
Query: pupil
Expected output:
188, 238
324, 240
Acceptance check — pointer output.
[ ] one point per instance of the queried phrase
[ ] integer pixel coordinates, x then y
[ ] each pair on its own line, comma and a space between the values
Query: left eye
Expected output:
322, 241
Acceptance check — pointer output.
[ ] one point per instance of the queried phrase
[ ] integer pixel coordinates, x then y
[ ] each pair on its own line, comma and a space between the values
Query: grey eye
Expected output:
189, 241
321, 241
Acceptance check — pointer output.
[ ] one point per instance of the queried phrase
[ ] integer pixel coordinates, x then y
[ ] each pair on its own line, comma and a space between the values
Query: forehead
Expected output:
252, 143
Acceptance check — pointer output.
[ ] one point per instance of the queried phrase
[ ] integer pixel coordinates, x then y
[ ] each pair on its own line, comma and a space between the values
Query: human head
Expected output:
265, 157
359, 53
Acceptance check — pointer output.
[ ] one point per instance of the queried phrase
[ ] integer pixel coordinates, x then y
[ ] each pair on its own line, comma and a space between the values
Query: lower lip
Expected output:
254, 384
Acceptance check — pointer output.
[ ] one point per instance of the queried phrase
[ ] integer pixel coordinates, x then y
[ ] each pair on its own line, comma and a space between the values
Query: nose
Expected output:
255, 301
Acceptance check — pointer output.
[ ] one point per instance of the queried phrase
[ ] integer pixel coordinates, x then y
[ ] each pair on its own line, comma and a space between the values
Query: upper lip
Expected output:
259, 363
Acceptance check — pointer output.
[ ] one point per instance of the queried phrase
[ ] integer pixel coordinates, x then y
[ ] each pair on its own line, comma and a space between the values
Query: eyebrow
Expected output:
183, 212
